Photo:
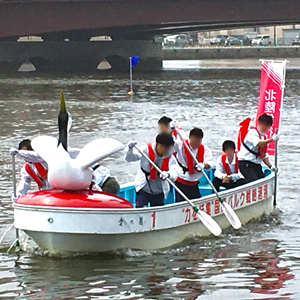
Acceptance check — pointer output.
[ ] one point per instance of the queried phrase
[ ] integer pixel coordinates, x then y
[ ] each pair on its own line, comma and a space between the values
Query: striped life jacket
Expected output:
164, 165
39, 176
190, 160
226, 165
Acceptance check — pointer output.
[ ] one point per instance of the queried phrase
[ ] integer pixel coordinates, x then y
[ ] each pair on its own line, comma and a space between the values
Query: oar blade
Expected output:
231, 215
209, 223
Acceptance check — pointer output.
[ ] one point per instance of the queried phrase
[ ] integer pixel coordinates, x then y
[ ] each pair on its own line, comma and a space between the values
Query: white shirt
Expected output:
25, 182
101, 174
181, 157
161, 186
252, 139
220, 170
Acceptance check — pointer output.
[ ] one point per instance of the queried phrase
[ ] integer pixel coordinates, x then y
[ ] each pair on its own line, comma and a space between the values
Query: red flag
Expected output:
271, 94
244, 127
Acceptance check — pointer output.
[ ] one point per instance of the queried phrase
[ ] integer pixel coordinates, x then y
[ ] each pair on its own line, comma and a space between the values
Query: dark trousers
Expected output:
143, 198
111, 186
191, 191
251, 171
230, 185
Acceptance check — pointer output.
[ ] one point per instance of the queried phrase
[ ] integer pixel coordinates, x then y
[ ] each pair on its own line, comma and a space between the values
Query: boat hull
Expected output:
61, 230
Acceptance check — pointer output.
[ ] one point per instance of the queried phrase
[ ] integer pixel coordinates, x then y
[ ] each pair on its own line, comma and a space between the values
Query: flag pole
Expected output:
276, 175
276, 143
130, 73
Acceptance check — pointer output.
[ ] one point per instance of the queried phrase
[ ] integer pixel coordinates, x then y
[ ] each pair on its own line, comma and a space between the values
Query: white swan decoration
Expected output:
65, 172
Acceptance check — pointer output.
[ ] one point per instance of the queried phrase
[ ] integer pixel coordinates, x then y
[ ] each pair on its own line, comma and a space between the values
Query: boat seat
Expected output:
128, 190
205, 189
267, 171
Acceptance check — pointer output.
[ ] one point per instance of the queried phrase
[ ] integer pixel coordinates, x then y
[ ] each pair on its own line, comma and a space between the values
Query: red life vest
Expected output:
174, 133
261, 150
40, 176
164, 165
190, 160
226, 165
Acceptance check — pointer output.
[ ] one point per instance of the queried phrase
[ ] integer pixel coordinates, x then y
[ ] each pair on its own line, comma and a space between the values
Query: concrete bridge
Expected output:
136, 19
123, 20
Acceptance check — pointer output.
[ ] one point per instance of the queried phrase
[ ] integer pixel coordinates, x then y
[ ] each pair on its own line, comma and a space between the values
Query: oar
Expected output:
206, 220
227, 209
15, 192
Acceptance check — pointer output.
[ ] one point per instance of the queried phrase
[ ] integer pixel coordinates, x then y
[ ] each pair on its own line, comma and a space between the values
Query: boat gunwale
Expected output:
166, 207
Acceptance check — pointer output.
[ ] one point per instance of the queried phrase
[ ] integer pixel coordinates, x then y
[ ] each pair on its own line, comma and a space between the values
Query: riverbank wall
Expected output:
230, 53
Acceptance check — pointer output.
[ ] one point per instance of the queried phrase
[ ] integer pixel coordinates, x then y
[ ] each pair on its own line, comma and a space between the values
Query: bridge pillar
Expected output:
81, 56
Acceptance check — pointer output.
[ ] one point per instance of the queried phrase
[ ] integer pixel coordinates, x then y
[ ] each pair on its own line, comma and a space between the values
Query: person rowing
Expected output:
227, 172
151, 187
254, 149
190, 173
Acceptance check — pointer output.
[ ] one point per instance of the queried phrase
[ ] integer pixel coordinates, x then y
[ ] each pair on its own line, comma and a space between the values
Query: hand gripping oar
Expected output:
206, 220
227, 210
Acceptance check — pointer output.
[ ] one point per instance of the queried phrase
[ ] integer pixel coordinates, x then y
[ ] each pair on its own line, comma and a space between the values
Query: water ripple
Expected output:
261, 261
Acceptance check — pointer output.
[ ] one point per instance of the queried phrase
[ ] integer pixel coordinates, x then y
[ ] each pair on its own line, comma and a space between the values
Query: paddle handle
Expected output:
168, 179
13, 159
196, 161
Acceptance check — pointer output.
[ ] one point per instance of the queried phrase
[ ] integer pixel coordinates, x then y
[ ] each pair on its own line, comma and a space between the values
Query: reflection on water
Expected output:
261, 261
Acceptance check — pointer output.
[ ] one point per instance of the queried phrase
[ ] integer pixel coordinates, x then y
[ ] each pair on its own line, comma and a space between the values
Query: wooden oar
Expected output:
227, 209
206, 220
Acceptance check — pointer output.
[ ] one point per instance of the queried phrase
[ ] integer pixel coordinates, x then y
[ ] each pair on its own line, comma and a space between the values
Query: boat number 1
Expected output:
153, 215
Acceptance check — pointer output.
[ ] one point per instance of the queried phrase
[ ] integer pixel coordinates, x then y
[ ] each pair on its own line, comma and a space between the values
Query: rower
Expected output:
35, 169
189, 173
254, 149
104, 181
152, 188
227, 172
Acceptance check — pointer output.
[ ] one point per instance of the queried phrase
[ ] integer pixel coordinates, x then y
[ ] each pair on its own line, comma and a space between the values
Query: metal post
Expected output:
276, 143
15, 191
276, 175
275, 36
13, 158
130, 72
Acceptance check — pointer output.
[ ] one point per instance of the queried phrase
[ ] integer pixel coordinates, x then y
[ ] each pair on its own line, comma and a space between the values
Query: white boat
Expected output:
97, 222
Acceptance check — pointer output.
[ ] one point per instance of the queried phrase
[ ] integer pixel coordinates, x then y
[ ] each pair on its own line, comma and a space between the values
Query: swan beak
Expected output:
62, 103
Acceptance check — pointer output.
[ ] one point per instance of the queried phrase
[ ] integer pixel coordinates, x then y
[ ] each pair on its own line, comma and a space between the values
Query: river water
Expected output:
260, 261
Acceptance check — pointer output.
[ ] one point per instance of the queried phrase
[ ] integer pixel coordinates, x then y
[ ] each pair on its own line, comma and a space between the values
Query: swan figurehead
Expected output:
63, 123
65, 172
